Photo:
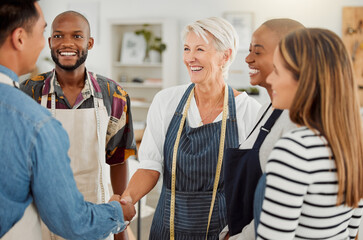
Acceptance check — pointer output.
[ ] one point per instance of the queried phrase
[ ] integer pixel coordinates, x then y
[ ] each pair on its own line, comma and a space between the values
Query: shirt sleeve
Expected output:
355, 221
120, 142
151, 148
60, 204
286, 186
247, 109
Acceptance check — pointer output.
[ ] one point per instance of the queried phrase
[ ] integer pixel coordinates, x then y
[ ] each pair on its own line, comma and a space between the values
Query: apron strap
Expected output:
265, 129
175, 151
263, 115
173, 170
8, 81
185, 99
231, 104
97, 104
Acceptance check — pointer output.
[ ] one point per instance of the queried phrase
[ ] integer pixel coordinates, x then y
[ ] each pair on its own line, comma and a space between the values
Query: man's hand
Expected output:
115, 197
128, 209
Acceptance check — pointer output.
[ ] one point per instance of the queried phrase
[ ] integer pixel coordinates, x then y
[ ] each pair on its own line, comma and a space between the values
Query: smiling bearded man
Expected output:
93, 109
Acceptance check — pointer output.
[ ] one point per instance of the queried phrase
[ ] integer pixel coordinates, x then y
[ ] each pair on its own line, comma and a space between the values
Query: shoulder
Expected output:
166, 101
246, 109
243, 100
283, 124
304, 135
303, 143
27, 123
171, 94
24, 107
179, 90
104, 80
108, 85
35, 81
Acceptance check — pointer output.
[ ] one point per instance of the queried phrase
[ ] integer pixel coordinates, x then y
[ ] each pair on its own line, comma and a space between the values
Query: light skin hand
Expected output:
128, 208
140, 184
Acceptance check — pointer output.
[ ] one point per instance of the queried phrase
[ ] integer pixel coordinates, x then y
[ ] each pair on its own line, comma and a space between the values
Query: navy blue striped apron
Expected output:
241, 174
196, 166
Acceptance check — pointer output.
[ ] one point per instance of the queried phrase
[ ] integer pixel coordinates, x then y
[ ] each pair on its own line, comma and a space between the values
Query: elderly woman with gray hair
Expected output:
188, 128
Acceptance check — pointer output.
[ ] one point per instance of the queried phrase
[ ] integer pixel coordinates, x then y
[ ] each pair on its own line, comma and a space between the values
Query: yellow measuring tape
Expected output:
219, 164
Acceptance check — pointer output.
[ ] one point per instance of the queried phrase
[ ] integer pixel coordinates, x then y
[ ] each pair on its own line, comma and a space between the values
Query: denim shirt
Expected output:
34, 166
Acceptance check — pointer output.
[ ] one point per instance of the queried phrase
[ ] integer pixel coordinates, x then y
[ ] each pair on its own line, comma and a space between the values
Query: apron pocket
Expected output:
192, 211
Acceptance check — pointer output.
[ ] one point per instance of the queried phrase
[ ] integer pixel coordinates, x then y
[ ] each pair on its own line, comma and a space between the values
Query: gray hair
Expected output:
224, 34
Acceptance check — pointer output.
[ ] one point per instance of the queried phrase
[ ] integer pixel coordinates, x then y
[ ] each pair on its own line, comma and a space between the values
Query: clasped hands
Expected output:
128, 208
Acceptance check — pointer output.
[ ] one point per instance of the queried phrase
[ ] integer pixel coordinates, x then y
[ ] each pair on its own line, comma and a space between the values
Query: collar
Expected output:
51, 85
9, 73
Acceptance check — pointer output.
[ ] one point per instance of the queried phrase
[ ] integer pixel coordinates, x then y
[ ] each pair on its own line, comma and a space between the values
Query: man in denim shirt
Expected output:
35, 176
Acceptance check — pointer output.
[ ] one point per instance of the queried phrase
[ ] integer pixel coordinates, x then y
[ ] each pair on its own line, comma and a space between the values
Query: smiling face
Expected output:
259, 60
70, 41
203, 61
283, 83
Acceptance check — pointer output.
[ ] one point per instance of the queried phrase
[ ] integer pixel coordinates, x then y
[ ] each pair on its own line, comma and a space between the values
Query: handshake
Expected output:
128, 208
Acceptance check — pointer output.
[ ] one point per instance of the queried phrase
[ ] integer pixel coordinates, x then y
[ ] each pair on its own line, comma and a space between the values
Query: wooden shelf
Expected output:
156, 75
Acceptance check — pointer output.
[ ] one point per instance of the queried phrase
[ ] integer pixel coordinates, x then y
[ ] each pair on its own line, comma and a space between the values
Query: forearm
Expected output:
141, 183
119, 177
59, 202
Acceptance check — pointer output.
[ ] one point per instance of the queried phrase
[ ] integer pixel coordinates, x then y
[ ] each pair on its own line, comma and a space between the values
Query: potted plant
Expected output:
154, 45
250, 90
156, 48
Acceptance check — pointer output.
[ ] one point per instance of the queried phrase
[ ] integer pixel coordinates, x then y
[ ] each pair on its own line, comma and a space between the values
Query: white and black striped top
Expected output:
301, 192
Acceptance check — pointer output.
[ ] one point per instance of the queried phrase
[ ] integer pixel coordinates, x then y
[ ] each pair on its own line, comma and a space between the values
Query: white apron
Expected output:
29, 225
86, 129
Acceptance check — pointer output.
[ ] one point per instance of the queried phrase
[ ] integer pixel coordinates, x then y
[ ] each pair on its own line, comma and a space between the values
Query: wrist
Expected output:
126, 198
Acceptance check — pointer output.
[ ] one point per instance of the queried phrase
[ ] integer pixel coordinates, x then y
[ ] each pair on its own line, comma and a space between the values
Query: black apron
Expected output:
242, 171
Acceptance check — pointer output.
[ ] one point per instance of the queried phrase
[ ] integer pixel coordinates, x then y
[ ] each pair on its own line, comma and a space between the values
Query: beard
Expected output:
70, 68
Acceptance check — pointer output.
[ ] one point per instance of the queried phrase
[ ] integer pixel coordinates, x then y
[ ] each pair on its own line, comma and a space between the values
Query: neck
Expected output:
209, 95
11, 61
267, 86
71, 78
269, 91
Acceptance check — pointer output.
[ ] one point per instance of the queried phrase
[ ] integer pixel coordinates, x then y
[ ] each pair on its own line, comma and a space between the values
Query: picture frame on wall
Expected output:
133, 48
243, 23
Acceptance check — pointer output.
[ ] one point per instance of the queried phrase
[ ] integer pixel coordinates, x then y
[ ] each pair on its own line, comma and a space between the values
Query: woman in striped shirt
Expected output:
314, 182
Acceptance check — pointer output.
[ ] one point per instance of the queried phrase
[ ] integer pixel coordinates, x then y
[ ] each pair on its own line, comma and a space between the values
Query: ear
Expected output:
49, 42
227, 55
91, 41
18, 38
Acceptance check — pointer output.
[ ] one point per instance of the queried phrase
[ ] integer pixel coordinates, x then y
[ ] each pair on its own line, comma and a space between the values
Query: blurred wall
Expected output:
312, 13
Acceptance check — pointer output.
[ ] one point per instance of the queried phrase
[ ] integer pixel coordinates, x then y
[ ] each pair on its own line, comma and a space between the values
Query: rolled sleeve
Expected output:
152, 144
118, 214
120, 134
